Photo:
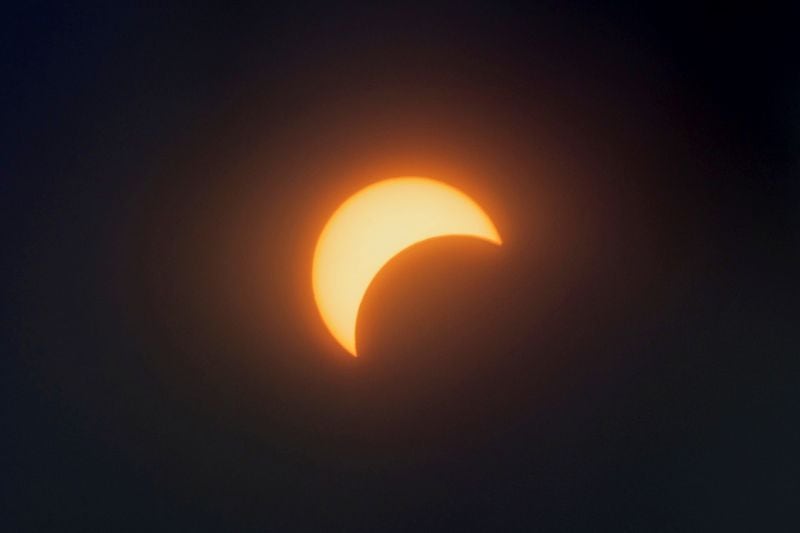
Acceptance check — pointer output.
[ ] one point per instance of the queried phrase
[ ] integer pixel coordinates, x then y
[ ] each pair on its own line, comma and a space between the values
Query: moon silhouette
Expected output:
374, 225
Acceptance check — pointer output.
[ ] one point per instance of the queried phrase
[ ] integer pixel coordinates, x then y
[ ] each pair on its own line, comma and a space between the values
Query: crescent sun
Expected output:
374, 225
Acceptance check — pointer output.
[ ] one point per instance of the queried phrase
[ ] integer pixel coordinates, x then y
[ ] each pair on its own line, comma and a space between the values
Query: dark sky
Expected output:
626, 361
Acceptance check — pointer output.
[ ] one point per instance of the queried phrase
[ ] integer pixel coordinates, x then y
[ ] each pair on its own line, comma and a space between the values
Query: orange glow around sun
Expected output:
374, 225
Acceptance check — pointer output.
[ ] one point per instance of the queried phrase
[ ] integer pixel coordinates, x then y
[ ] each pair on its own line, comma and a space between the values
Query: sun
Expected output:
374, 225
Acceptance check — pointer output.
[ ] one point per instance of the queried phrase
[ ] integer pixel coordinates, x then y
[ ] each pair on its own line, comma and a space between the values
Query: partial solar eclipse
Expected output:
374, 225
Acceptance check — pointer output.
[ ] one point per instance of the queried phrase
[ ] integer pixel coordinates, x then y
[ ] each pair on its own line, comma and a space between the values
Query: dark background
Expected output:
626, 361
